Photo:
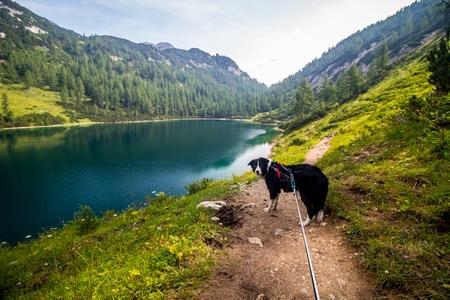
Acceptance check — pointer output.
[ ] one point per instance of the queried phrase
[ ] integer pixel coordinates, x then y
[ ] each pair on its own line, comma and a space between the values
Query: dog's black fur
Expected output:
310, 183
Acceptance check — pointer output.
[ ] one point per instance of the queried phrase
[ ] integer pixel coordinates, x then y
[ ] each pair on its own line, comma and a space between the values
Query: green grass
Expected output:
390, 181
35, 101
159, 251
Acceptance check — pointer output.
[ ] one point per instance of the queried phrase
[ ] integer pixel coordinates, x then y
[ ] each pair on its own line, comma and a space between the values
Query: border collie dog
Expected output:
310, 183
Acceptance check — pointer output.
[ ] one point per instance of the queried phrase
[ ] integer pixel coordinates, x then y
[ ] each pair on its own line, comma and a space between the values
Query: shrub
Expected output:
297, 141
198, 185
85, 220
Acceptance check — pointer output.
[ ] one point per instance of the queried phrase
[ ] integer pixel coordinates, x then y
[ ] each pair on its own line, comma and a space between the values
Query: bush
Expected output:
297, 141
85, 220
198, 185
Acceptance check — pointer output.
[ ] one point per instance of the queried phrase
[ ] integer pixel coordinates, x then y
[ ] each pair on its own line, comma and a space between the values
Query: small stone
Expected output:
275, 269
216, 205
215, 219
220, 224
261, 297
256, 241
248, 205
323, 224
278, 231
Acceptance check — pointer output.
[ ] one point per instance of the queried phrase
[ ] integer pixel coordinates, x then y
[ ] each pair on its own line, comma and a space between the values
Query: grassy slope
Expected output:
388, 182
34, 100
159, 251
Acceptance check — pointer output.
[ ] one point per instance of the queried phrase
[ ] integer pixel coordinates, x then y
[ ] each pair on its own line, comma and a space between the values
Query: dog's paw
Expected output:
306, 222
319, 216
267, 209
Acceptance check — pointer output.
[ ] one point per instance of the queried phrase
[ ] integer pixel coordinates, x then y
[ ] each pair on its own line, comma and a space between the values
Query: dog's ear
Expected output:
252, 162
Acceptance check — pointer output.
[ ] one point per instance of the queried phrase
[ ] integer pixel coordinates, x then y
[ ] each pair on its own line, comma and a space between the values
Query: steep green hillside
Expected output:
371, 52
108, 78
388, 166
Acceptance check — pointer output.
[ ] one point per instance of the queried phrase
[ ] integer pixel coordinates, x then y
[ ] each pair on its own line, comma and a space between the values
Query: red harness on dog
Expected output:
277, 170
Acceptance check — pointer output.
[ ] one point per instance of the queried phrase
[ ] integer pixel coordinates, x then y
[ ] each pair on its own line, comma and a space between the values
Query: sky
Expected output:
269, 40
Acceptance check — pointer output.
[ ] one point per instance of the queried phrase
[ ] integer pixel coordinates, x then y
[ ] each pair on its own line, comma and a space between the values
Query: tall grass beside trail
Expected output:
160, 251
390, 181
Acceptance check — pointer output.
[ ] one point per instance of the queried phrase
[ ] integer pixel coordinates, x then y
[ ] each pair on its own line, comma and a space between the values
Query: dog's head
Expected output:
260, 166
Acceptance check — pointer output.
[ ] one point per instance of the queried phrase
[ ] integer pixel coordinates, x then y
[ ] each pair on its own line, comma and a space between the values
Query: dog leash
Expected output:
305, 242
311, 270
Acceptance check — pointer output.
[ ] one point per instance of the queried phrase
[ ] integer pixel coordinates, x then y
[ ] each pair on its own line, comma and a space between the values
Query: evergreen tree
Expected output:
28, 79
327, 92
64, 94
379, 66
79, 90
304, 98
356, 80
7, 113
439, 66
350, 84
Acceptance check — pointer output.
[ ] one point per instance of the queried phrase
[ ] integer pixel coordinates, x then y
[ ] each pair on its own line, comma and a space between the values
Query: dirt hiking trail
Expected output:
279, 269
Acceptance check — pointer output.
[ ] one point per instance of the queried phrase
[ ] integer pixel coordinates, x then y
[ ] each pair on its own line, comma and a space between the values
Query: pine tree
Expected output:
327, 92
28, 79
79, 90
379, 66
64, 94
304, 98
356, 81
7, 113
439, 66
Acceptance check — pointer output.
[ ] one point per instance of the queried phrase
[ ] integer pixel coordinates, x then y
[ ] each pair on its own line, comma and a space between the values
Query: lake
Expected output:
46, 173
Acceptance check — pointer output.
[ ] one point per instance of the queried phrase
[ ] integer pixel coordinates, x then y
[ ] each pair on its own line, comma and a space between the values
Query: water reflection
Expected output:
47, 173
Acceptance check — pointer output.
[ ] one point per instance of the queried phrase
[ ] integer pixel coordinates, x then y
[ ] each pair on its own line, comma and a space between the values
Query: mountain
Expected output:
396, 36
109, 78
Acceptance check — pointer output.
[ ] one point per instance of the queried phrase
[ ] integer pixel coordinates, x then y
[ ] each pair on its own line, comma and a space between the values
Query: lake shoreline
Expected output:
131, 122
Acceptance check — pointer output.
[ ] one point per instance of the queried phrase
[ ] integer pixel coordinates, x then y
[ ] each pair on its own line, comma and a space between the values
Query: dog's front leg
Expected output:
269, 208
273, 202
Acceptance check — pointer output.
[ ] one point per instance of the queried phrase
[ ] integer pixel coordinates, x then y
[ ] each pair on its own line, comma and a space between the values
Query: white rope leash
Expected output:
311, 270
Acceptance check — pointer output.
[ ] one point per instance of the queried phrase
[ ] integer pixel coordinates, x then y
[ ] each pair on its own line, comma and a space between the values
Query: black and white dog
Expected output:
310, 183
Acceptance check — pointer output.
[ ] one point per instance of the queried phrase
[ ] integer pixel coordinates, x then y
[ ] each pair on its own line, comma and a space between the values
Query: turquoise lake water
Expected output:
46, 173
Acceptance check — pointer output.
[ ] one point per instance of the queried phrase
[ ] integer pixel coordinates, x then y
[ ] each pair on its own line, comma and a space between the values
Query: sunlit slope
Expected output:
30, 105
389, 180
370, 112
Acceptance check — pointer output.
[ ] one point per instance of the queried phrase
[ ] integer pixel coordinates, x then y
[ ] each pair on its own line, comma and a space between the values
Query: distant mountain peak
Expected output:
161, 46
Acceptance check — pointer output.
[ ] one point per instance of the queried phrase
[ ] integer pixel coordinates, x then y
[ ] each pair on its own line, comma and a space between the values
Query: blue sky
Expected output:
268, 39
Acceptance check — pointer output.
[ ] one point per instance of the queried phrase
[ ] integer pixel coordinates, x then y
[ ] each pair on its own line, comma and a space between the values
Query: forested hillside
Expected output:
104, 77
355, 64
